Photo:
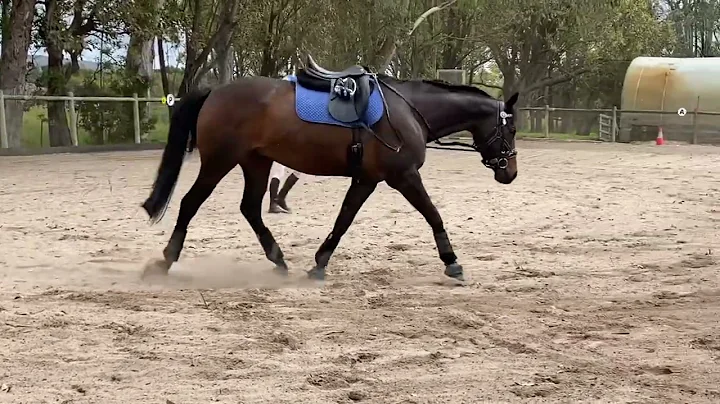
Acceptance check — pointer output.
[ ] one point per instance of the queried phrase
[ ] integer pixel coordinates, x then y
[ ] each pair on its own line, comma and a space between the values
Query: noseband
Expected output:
508, 152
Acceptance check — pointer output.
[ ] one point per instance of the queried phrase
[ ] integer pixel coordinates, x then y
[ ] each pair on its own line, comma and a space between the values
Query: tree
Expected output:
58, 37
17, 16
201, 37
697, 23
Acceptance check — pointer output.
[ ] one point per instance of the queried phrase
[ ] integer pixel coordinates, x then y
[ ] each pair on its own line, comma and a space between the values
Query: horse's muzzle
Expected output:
505, 177
506, 173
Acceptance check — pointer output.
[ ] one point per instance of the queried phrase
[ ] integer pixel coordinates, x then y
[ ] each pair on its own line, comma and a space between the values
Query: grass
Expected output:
551, 136
557, 136
35, 127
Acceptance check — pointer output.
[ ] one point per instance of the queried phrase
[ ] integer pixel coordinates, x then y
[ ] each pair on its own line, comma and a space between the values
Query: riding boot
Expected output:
274, 207
289, 183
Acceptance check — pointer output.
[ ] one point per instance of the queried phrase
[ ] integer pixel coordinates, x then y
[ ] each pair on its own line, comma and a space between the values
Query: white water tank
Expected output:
668, 84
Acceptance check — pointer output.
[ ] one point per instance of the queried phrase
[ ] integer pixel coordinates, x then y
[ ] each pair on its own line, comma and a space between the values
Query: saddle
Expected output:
349, 89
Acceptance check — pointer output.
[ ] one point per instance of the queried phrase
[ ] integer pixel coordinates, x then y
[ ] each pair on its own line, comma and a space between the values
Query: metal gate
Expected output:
608, 128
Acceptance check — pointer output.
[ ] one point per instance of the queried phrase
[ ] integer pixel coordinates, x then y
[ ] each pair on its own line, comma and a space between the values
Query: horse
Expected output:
375, 128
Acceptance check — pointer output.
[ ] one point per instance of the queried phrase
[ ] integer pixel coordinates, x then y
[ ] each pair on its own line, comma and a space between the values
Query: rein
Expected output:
410, 104
401, 140
500, 162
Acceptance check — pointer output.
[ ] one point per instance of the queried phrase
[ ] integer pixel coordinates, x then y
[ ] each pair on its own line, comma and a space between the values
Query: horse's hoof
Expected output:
455, 271
156, 268
317, 274
282, 271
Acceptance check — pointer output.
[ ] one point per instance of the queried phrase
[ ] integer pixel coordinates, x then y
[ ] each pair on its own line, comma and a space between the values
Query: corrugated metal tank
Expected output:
667, 84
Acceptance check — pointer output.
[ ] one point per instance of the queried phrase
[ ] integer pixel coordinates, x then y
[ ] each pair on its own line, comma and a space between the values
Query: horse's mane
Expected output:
457, 88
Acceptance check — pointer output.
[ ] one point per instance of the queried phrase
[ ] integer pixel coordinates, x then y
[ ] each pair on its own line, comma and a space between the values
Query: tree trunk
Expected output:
224, 53
387, 52
16, 25
163, 71
140, 57
197, 50
58, 129
139, 66
454, 51
192, 42
53, 39
268, 64
224, 61
139, 69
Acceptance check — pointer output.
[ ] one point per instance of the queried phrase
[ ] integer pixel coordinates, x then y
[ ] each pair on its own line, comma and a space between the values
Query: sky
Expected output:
172, 53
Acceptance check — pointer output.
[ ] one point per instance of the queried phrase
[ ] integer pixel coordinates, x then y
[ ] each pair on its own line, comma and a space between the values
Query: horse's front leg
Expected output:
410, 185
356, 196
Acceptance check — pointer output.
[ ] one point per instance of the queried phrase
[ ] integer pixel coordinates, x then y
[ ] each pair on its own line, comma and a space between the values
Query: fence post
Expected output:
546, 127
73, 119
695, 121
3, 126
614, 125
136, 117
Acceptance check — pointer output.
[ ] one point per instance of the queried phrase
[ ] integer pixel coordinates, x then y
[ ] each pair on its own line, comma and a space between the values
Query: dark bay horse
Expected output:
253, 122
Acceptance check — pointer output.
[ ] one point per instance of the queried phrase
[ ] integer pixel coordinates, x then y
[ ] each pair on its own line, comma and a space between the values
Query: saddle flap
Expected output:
312, 105
353, 108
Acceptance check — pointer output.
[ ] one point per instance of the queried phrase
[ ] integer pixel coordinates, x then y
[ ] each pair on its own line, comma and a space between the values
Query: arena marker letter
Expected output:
170, 100
682, 111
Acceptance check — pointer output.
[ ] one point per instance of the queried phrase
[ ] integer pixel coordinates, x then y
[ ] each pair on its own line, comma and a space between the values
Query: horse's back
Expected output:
234, 114
247, 89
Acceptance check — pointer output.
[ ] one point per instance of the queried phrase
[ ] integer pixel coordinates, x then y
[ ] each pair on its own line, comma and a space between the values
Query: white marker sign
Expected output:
682, 111
170, 100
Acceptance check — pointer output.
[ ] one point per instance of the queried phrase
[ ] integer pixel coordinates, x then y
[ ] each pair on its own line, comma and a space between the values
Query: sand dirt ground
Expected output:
594, 278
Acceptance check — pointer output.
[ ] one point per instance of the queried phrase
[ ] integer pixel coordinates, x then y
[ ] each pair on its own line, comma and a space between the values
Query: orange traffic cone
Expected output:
660, 140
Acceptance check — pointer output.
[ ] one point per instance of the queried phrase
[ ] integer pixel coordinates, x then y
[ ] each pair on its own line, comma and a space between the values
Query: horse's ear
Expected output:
509, 104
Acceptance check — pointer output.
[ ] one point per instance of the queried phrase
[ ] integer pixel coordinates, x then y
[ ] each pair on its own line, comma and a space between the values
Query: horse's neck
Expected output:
448, 113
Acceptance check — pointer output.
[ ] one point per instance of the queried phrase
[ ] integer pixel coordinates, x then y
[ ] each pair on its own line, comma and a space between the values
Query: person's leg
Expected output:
277, 172
289, 183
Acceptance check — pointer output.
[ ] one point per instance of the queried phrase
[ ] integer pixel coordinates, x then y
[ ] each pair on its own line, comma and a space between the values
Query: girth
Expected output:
349, 91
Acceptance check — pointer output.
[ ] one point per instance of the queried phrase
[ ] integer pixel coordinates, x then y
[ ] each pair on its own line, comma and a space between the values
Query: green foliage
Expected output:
568, 53
696, 25
112, 120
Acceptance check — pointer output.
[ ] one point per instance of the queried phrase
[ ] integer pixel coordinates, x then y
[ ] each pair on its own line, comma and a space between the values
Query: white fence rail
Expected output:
70, 105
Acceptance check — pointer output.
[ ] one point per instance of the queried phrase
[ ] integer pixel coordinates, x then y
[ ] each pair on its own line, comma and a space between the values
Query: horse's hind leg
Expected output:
356, 196
211, 173
410, 185
256, 170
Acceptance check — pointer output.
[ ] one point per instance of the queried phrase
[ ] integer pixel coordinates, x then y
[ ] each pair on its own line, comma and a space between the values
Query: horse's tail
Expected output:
182, 137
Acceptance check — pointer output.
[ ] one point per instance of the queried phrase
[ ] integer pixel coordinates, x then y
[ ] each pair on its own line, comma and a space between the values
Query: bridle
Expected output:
508, 152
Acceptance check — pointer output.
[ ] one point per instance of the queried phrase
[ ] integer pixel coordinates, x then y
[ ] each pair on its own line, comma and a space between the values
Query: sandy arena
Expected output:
593, 279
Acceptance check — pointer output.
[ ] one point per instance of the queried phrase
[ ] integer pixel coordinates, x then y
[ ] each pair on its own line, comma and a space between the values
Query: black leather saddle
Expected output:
349, 90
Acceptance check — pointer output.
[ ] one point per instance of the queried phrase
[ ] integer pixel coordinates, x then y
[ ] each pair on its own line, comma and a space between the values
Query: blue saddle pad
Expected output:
312, 106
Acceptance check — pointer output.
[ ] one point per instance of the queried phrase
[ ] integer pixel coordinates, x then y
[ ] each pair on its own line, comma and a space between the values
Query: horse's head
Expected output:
494, 138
